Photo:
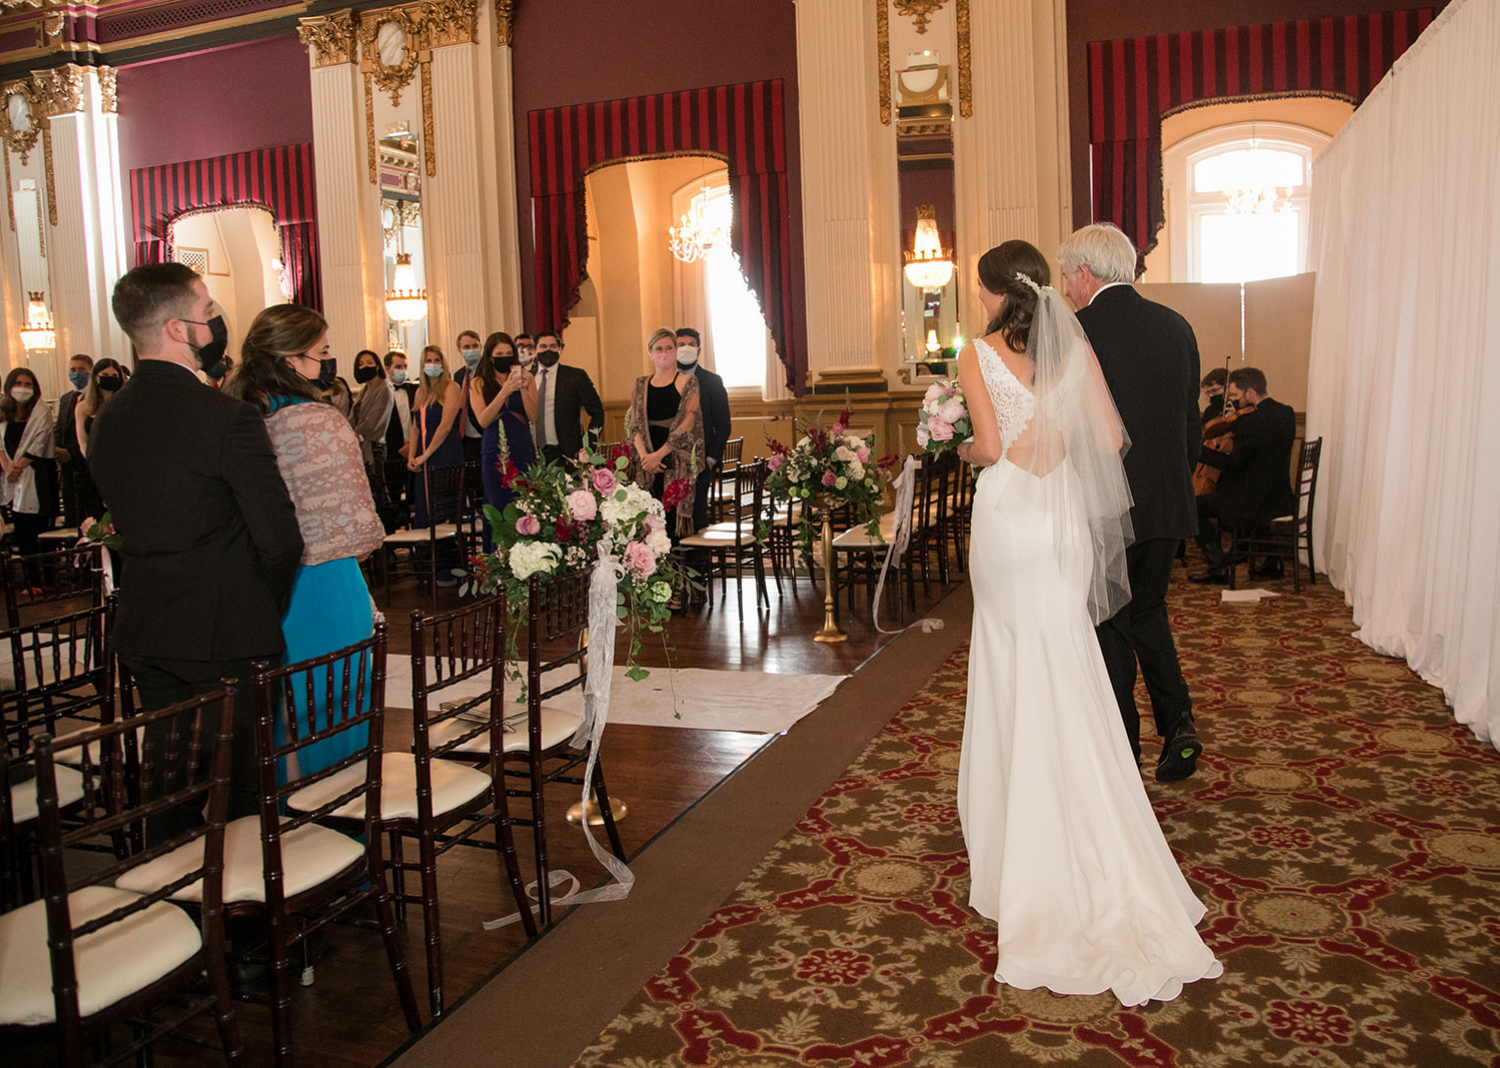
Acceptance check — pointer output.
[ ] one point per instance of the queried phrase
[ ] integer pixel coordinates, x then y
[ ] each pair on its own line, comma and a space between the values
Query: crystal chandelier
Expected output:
929, 266
37, 332
1257, 200
692, 238
405, 303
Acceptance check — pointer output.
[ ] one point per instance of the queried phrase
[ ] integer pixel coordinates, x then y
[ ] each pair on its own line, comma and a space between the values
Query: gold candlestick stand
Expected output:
830, 632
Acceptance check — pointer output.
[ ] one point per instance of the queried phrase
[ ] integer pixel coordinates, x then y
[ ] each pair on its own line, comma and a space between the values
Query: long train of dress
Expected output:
1065, 853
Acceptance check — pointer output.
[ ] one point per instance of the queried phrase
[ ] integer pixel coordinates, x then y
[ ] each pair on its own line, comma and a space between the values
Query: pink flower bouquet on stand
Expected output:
944, 420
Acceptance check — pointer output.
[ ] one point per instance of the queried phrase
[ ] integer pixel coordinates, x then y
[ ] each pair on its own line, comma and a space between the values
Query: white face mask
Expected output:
687, 354
22, 394
398, 376
471, 356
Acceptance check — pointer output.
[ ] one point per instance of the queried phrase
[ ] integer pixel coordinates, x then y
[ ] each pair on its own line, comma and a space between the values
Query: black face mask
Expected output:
110, 383
328, 370
211, 356
364, 374
548, 358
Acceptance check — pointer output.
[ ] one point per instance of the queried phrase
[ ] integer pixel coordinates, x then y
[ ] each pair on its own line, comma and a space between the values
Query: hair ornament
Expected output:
1029, 281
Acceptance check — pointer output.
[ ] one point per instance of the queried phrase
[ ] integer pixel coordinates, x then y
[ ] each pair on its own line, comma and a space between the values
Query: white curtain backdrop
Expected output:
1404, 384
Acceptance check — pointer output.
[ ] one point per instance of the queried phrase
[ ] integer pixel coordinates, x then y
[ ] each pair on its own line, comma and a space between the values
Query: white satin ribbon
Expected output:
603, 620
906, 488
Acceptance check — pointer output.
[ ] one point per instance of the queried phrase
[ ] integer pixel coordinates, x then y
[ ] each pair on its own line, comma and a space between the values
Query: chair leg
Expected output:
539, 839
281, 991
432, 930
601, 795
385, 917
215, 966
510, 864
397, 868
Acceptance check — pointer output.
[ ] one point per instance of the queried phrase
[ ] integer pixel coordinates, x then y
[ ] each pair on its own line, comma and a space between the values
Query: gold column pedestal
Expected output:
617, 808
830, 632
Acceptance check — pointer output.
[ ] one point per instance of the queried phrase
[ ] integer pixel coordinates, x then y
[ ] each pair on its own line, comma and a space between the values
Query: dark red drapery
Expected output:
278, 179
741, 124
1133, 82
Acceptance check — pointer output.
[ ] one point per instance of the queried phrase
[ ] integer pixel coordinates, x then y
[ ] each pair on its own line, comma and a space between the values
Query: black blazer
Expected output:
1256, 485
209, 534
1149, 357
574, 394
714, 399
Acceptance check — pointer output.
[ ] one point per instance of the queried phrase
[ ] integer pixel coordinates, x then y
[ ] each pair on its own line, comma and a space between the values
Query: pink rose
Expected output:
863, 454
835, 430
640, 559
528, 525
939, 430
604, 480
774, 463
582, 505
829, 478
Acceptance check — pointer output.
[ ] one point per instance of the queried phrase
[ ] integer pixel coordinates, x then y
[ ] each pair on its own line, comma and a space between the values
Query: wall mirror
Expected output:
29, 210
401, 234
924, 162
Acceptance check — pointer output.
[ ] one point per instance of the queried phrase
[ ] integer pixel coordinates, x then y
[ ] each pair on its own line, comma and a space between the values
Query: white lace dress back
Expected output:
1014, 404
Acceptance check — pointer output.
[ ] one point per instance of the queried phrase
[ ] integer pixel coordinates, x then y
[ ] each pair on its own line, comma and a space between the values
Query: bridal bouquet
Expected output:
826, 464
944, 421
560, 517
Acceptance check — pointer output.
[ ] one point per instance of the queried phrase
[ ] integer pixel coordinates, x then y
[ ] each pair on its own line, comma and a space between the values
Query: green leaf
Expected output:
637, 673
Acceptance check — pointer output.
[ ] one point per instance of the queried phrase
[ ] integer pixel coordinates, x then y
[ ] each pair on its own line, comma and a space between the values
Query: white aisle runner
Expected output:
685, 697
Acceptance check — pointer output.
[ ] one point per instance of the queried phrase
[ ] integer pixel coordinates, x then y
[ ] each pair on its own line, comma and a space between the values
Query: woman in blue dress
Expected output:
319, 459
502, 395
437, 440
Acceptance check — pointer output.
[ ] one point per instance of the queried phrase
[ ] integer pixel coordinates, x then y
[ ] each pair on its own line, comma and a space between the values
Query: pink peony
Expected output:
952, 410
939, 430
582, 505
835, 430
934, 394
829, 478
775, 462
528, 525
654, 524
863, 454
604, 480
640, 559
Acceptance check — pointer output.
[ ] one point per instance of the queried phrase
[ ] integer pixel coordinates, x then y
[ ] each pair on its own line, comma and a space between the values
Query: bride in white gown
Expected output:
1065, 854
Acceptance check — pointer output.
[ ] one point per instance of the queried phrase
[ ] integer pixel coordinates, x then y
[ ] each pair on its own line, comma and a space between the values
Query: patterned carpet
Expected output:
1343, 831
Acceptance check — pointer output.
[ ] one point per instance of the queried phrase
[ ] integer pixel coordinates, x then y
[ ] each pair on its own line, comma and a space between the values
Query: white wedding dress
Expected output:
1065, 854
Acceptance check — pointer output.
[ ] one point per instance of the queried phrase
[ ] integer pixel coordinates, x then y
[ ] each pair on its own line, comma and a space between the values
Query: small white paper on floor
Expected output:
685, 697
1244, 596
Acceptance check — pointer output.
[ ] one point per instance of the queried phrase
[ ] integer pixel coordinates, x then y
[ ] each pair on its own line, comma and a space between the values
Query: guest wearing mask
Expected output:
397, 437
1213, 390
373, 407
564, 394
104, 382
319, 459
502, 396
332, 388
471, 350
435, 438
65, 439
666, 429
526, 351
716, 420
26, 458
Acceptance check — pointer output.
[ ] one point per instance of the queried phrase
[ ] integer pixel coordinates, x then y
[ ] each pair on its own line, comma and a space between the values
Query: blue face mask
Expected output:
432, 370
78, 378
398, 376
471, 356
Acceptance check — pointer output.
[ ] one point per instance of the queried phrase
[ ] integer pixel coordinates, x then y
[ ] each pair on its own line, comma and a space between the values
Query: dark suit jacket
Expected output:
714, 399
209, 535
1256, 485
575, 394
1149, 357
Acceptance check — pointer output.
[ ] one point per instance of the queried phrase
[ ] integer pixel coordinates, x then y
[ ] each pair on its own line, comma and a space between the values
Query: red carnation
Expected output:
675, 493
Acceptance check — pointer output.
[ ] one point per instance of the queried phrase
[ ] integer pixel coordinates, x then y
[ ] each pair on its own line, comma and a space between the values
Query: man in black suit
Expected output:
563, 394
65, 438
1255, 485
209, 535
1149, 357
714, 399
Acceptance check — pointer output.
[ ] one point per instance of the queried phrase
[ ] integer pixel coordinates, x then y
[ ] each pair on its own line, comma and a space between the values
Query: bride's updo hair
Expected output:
997, 273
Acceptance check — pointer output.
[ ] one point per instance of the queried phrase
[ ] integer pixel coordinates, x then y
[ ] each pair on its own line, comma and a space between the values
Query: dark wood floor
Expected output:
350, 1016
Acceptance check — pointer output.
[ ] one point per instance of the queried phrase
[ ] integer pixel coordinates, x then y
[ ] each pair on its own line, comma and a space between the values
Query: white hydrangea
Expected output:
658, 542
856, 470
528, 558
624, 505
854, 442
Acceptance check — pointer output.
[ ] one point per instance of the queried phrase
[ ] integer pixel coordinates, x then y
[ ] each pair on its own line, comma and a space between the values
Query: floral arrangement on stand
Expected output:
944, 420
562, 515
827, 465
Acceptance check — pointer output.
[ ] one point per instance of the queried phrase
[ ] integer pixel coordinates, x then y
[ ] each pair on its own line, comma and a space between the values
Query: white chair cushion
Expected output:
111, 963
23, 805
309, 855
859, 538
558, 726
420, 536
452, 785
709, 538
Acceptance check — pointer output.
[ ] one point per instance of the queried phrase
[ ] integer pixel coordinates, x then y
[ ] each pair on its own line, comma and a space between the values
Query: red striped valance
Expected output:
278, 179
741, 124
1133, 82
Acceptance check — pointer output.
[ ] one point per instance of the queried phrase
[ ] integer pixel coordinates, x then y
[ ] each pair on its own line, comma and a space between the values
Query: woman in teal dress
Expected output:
319, 458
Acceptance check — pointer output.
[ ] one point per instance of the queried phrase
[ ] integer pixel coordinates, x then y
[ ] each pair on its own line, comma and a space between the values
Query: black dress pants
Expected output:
1140, 632
1208, 531
162, 682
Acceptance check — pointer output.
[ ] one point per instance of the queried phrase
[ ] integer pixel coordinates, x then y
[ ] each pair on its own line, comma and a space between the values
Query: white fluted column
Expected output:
1011, 156
850, 223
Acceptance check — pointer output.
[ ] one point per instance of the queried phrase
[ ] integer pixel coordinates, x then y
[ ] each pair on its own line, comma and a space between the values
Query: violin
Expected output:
1218, 434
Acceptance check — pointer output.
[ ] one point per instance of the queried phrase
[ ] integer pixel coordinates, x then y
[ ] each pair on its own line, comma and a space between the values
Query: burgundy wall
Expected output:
588, 50
1107, 20
234, 99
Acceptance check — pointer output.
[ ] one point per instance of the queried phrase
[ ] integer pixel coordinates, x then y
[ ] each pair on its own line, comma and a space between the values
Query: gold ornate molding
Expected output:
919, 10
10, 196
329, 38
965, 63
883, 39
450, 22
391, 78
108, 91
505, 20
429, 134
370, 129
51, 182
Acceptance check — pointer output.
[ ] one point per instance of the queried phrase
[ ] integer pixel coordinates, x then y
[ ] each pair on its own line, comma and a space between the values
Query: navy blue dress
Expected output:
513, 423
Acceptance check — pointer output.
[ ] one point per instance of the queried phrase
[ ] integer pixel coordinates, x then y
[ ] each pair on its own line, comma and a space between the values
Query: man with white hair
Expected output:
1149, 357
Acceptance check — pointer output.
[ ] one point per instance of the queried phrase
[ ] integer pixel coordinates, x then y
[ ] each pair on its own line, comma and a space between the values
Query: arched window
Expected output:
1238, 197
